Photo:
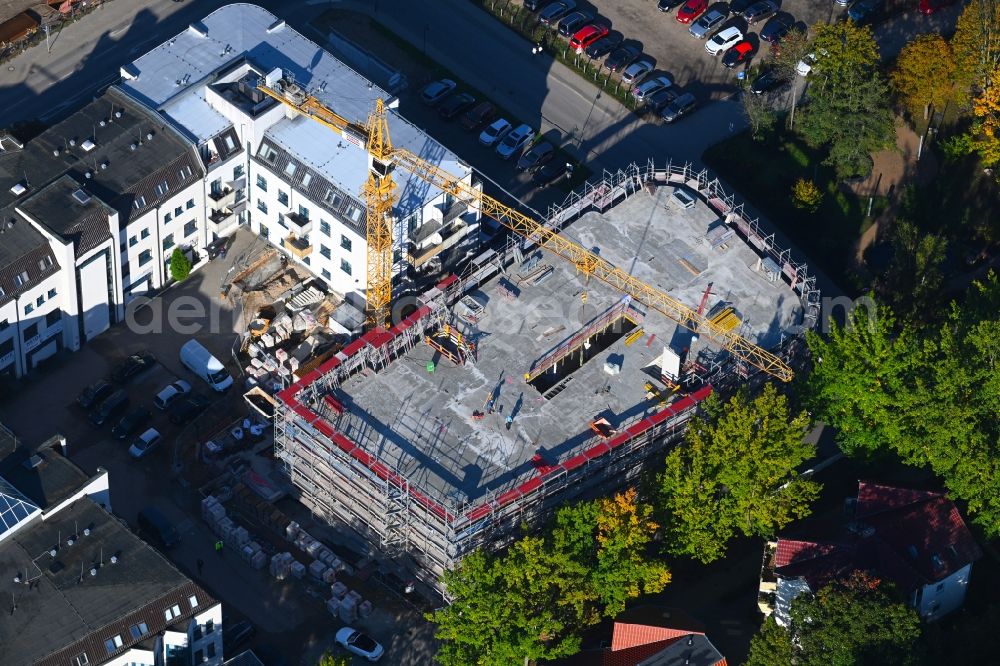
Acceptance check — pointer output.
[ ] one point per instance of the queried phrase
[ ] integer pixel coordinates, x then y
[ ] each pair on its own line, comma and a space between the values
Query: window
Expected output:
144, 234
193, 600
290, 169
211, 650
121, 248
167, 217
190, 204
331, 198
178, 211
304, 212
7, 346
237, 171
269, 154
306, 179
185, 172
326, 274
261, 183
230, 144
168, 242
138, 630
113, 644
132, 241
52, 293
81, 659
140, 202
40, 301
162, 188
209, 626
172, 612
324, 227
345, 242
345, 266
190, 228
355, 214
306, 261
264, 231
4, 324
283, 198
199, 656
29, 308
52, 318
281, 220
261, 206
145, 257
21, 278
45, 262
31, 331
325, 251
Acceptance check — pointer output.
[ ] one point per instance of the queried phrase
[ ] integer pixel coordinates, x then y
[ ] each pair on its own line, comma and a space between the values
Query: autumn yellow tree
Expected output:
986, 130
924, 74
806, 196
976, 44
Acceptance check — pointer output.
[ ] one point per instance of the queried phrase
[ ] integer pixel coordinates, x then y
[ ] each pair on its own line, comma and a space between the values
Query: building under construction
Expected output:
523, 383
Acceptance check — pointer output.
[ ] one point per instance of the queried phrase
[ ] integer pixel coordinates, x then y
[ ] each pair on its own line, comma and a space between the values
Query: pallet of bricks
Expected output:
344, 603
232, 535
259, 510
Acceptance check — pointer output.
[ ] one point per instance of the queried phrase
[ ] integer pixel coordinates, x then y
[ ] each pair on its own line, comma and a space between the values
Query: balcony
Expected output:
223, 196
218, 216
300, 247
299, 224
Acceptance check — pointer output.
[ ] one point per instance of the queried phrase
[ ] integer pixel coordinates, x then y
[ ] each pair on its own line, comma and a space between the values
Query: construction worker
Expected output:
509, 420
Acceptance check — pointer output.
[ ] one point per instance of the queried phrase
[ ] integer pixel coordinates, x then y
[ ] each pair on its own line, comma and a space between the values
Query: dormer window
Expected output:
21, 278
45, 262
290, 169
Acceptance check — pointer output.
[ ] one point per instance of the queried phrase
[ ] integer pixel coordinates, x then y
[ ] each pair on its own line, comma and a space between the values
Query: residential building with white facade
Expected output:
83, 589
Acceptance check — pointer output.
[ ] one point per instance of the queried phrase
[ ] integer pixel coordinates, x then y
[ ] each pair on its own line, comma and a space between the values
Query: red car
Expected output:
738, 54
587, 35
929, 7
691, 10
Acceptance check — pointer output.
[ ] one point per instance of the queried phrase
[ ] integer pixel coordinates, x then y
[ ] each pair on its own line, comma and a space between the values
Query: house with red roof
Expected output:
914, 538
651, 635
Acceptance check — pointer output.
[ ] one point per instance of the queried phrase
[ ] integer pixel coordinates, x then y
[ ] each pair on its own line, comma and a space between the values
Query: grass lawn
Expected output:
763, 172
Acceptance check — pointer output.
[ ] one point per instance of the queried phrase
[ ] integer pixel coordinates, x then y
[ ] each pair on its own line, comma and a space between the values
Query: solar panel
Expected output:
15, 508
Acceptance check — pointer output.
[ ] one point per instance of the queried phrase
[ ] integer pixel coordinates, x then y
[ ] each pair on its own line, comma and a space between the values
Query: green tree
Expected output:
735, 473
180, 267
914, 278
849, 107
857, 622
806, 196
925, 74
758, 111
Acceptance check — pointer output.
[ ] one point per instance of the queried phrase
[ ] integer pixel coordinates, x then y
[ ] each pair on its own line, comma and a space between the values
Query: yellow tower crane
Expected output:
374, 136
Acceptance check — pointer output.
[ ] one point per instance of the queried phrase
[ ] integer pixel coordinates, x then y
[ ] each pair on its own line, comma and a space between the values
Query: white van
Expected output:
200, 361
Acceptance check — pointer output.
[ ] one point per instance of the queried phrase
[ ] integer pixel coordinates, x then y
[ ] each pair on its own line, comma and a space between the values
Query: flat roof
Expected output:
422, 423
44, 475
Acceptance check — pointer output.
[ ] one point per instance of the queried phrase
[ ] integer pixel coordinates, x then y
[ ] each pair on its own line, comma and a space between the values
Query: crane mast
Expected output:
379, 193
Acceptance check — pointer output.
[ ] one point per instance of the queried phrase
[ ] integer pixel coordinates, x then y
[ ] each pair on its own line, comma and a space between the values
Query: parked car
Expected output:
360, 644
777, 27
587, 35
155, 527
455, 105
654, 103
842, 3
605, 45
637, 71
571, 23
133, 366
552, 13
476, 117
435, 92
495, 132
131, 423
668, 5
708, 22
185, 410
766, 81
760, 11
865, 11
145, 443
622, 57
538, 155
650, 86
738, 54
928, 7
93, 394
739, 6
691, 10
239, 633
723, 39
551, 173
110, 407
171, 392
683, 105
515, 141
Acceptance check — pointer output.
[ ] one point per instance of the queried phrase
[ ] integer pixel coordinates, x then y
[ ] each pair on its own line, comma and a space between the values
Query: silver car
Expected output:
637, 71
708, 22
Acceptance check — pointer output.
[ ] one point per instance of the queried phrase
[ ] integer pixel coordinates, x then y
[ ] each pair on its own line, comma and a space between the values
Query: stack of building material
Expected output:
248, 551
292, 531
348, 611
333, 605
256, 363
338, 590
314, 547
330, 576
225, 529
258, 561
355, 596
317, 570
298, 569
240, 537
212, 512
281, 565
365, 609
281, 355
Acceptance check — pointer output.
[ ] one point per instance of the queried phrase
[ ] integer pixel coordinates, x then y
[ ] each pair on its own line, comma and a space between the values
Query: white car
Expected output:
360, 644
637, 71
515, 141
492, 134
723, 40
171, 392
436, 91
651, 86
145, 443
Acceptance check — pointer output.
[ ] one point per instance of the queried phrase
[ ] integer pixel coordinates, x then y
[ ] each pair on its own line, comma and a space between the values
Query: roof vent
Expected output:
104, 165
33, 462
81, 197
56, 152
88, 145
118, 113
72, 143
9, 224
88, 175
93, 571
18, 189
86, 531
114, 559
17, 578
103, 122
133, 146
149, 136
53, 552
70, 541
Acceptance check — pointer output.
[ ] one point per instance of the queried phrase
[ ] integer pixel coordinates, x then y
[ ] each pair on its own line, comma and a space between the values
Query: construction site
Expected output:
526, 382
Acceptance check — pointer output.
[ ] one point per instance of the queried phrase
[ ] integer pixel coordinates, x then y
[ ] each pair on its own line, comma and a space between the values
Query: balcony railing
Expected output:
300, 223
298, 246
219, 195
219, 216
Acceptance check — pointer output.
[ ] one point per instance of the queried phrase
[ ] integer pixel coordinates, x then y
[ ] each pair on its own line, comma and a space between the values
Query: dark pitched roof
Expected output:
245, 658
911, 537
80, 220
61, 606
44, 476
23, 250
